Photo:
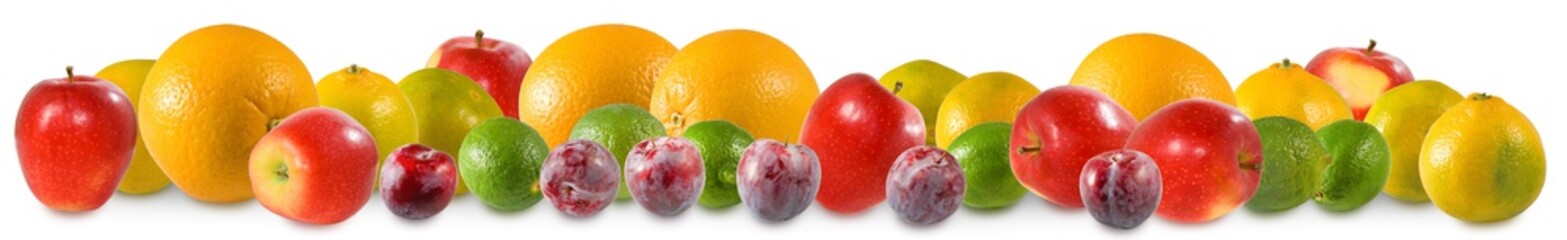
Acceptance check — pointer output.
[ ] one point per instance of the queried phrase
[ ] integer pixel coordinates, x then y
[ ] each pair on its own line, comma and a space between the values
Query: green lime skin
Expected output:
1360, 165
720, 143
618, 127
982, 153
501, 158
1292, 171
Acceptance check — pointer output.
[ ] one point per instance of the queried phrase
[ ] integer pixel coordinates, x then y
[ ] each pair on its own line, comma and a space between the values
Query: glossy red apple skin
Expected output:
1327, 65
496, 65
1057, 132
418, 181
858, 129
75, 137
330, 162
1209, 156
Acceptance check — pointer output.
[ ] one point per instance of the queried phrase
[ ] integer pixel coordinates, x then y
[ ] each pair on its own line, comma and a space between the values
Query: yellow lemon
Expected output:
587, 69
987, 97
143, 176
376, 103
1286, 89
1143, 72
1482, 161
1403, 115
743, 76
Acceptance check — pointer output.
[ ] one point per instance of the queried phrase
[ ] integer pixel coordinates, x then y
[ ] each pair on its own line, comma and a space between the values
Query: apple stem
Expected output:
897, 87
1373, 45
478, 38
353, 69
1027, 149
70, 74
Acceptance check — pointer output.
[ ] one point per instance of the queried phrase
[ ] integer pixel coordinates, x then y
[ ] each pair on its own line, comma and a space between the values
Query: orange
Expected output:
1482, 160
1144, 71
143, 176
1286, 89
743, 76
210, 98
592, 67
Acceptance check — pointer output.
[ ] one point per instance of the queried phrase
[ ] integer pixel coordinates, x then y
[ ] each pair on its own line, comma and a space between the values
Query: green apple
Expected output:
923, 83
446, 106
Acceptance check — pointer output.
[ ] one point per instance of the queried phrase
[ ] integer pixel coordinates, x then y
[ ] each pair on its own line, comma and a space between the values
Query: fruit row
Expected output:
1147, 126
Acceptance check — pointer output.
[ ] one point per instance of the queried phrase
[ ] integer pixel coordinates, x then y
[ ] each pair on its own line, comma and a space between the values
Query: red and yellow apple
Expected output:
75, 137
496, 65
1057, 132
858, 129
1360, 74
316, 166
1208, 153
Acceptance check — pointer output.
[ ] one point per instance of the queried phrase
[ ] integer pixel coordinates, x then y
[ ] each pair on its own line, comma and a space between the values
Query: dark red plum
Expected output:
777, 181
417, 181
665, 175
925, 185
1121, 188
580, 178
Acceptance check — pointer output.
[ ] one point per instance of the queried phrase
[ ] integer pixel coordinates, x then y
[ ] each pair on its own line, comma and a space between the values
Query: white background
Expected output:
1512, 50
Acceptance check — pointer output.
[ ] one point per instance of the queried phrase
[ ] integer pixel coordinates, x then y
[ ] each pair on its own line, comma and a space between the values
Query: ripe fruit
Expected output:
500, 162
987, 97
619, 127
587, 69
1404, 115
1359, 74
317, 166
497, 66
982, 151
721, 144
1144, 72
210, 98
143, 176
925, 84
1482, 161
74, 136
777, 181
1121, 188
1208, 153
580, 178
665, 175
925, 185
376, 103
418, 182
1286, 89
1060, 130
743, 76
1294, 166
447, 106
858, 129
1359, 168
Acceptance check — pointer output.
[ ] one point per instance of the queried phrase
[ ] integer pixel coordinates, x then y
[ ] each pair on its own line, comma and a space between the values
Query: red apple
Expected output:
858, 128
1208, 153
1058, 131
316, 166
496, 65
74, 136
1360, 74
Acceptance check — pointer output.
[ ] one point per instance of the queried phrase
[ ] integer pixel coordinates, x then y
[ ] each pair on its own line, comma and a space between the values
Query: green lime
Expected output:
721, 143
1360, 165
1293, 167
982, 153
500, 160
618, 127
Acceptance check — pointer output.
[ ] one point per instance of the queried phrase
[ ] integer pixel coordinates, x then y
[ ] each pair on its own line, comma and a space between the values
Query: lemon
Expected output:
1404, 114
1286, 89
1482, 160
742, 76
986, 97
143, 176
587, 69
376, 103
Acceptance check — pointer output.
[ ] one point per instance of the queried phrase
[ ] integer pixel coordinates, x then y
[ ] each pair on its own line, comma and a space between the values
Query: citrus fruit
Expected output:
446, 106
982, 152
376, 103
1286, 89
1359, 166
587, 69
925, 84
1482, 161
1143, 72
743, 76
618, 127
1293, 166
720, 143
1404, 114
500, 161
987, 97
210, 98
143, 176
